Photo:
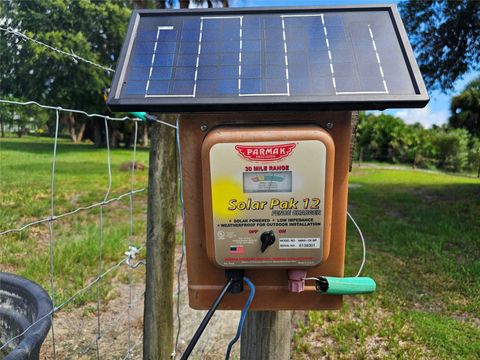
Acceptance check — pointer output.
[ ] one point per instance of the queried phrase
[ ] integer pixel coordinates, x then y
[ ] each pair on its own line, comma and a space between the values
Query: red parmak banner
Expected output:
265, 152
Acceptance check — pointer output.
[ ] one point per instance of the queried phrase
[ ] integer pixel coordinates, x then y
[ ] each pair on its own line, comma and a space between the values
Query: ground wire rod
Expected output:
206, 320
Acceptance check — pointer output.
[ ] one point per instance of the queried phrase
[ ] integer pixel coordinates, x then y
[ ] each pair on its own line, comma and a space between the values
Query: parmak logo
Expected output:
265, 152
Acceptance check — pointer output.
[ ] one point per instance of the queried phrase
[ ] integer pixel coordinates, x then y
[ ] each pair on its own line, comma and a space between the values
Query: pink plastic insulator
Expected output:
296, 280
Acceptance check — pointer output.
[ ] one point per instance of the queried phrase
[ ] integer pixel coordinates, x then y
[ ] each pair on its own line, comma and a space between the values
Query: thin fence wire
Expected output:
100, 239
112, 326
137, 343
130, 243
56, 309
50, 228
49, 221
70, 213
52, 284
70, 54
106, 201
208, 337
59, 108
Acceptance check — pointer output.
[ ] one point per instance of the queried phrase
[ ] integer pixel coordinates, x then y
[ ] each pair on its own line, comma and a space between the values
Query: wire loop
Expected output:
131, 255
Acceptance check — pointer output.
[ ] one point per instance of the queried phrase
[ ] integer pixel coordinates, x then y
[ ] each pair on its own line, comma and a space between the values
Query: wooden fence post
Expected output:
161, 220
266, 335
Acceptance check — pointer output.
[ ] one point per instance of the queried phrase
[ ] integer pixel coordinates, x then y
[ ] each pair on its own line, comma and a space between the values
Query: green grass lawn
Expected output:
81, 179
423, 249
422, 231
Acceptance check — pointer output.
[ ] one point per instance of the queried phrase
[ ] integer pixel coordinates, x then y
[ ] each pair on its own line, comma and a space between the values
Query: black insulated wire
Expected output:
206, 320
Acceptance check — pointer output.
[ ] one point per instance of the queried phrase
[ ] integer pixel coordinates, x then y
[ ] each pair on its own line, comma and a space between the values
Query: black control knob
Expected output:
267, 238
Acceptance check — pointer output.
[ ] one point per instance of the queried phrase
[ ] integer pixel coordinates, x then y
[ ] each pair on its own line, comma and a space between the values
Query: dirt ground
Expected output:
76, 328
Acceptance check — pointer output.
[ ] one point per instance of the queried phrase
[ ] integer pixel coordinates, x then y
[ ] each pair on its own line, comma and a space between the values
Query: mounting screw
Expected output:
329, 125
204, 128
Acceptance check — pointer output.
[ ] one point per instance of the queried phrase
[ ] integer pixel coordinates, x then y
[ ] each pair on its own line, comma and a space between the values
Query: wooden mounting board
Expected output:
205, 280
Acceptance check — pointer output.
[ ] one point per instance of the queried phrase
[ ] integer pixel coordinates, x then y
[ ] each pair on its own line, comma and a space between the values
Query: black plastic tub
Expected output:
22, 302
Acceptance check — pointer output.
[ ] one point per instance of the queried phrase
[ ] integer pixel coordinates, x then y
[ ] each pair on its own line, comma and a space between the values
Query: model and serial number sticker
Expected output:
299, 243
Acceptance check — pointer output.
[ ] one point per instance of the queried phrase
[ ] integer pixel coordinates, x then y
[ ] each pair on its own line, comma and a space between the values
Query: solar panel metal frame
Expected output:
271, 103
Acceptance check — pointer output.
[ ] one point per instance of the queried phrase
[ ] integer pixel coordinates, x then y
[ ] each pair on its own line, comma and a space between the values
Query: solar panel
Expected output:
267, 59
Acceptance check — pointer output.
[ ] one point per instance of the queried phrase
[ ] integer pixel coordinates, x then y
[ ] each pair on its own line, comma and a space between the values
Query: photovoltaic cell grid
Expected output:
261, 55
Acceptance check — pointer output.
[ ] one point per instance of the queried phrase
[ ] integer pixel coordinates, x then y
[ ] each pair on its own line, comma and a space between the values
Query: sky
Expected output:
438, 109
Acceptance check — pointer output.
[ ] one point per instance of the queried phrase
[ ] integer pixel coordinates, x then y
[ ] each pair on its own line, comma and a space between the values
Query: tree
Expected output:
193, 4
445, 36
384, 138
451, 148
24, 119
6, 119
91, 29
465, 108
387, 138
474, 156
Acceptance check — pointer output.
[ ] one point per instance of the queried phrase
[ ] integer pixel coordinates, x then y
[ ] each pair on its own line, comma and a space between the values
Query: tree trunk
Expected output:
81, 131
2, 129
145, 135
161, 220
353, 136
115, 136
98, 127
128, 139
266, 335
51, 127
70, 119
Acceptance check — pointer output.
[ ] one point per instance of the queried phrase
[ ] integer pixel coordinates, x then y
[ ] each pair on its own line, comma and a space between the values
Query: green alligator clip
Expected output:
345, 286
140, 115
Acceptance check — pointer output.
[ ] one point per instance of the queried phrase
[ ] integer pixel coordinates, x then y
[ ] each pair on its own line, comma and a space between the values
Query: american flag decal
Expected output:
237, 249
